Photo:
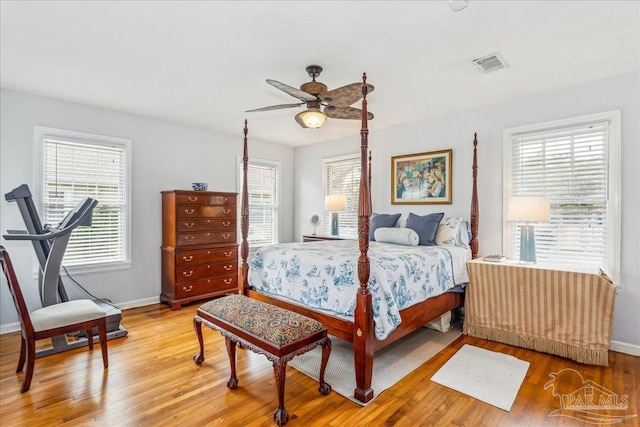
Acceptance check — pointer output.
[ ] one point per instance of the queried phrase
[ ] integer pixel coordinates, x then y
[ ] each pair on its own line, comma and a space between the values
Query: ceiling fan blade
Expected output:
346, 95
276, 107
348, 113
296, 93
298, 118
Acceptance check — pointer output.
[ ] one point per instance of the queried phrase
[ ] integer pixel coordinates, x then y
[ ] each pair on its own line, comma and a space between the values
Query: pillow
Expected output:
448, 231
464, 235
381, 220
398, 236
426, 226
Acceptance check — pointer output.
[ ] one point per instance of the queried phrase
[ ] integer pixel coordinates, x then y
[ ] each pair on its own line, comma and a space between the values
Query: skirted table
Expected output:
563, 311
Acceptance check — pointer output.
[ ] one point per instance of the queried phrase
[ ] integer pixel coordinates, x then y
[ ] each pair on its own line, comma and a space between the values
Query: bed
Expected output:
354, 321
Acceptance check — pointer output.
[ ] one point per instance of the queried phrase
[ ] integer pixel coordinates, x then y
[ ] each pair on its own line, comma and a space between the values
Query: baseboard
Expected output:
626, 348
14, 327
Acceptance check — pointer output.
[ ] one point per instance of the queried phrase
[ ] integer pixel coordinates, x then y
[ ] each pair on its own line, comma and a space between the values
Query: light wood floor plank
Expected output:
152, 381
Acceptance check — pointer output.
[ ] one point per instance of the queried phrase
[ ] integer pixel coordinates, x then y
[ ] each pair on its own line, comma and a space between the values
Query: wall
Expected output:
165, 156
456, 131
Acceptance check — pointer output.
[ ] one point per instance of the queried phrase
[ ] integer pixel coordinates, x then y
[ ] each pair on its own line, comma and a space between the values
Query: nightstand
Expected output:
559, 310
311, 238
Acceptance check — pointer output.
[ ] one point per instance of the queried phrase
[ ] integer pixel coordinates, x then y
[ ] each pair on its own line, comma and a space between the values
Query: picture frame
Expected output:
422, 178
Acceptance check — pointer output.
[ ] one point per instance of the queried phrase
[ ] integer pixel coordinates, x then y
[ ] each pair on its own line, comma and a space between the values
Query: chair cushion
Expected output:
268, 322
65, 313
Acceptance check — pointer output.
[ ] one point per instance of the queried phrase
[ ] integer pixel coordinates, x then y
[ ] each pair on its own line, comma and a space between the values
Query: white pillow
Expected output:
397, 236
448, 230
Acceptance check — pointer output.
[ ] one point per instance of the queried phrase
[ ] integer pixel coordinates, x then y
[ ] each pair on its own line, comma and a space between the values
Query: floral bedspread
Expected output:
324, 275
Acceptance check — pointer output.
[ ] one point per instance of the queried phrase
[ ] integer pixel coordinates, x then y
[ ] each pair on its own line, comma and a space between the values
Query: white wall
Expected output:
165, 156
456, 131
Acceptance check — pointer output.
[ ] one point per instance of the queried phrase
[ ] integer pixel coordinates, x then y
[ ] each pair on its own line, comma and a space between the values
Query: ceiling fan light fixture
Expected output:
313, 118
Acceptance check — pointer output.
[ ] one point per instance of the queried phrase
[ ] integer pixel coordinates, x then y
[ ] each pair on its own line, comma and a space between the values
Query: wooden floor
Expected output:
152, 381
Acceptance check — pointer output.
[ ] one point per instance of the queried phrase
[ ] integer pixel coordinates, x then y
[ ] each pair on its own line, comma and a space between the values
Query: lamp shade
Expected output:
313, 118
528, 209
335, 202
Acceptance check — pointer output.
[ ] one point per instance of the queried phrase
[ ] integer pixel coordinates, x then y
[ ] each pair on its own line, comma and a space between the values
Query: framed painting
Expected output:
423, 178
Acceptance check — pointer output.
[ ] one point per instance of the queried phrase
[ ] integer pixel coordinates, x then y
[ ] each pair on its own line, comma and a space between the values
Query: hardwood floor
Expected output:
152, 381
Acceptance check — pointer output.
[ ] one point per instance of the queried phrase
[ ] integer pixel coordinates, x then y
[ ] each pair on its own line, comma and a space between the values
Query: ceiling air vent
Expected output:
490, 63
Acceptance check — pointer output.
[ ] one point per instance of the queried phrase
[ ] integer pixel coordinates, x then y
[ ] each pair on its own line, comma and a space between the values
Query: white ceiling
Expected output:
204, 63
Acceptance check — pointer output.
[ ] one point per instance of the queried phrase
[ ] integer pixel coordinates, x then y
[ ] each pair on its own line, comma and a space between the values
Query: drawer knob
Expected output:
189, 211
185, 274
193, 199
226, 223
189, 238
226, 236
228, 253
184, 288
222, 199
228, 281
189, 224
226, 211
187, 258
208, 266
228, 267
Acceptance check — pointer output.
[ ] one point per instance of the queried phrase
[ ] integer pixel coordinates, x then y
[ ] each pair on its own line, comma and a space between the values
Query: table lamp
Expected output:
528, 209
335, 203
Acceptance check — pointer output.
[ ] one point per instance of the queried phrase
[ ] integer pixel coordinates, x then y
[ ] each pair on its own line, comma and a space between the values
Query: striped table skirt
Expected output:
566, 313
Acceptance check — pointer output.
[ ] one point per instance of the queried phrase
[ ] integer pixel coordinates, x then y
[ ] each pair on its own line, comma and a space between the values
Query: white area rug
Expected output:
492, 377
391, 364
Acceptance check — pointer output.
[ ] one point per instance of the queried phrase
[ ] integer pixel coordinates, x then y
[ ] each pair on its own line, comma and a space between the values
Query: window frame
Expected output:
614, 178
351, 201
40, 134
278, 168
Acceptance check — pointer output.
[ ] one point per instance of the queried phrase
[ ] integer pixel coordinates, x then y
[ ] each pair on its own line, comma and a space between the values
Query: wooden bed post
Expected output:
363, 319
244, 227
475, 211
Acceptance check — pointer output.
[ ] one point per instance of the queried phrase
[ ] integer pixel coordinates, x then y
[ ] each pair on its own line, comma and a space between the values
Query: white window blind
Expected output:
262, 187
341, 175
571, 165
73, 171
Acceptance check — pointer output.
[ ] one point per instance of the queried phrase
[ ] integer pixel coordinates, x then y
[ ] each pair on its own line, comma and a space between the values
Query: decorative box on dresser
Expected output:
199, 246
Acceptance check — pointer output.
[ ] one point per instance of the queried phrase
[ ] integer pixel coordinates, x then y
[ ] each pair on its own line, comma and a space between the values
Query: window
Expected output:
576, 164
341, 175
76, 166
263, 187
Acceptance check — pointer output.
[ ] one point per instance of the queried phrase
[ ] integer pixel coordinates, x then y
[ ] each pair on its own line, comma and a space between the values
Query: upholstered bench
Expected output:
277, 333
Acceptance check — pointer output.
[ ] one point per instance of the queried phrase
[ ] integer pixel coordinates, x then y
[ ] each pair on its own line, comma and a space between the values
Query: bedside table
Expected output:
553, 309
311, 238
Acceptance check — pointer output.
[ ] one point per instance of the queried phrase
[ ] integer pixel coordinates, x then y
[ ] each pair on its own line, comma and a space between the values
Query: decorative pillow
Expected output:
464, 235
448, 231
426, 226
381, 220
398, 236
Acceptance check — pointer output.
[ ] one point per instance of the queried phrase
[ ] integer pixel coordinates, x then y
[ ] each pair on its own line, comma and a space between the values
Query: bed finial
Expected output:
244, 224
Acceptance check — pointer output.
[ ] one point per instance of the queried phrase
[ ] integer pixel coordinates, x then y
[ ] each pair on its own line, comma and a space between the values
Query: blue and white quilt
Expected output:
324, 275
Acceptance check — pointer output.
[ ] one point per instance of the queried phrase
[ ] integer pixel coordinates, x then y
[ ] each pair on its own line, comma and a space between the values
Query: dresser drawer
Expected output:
204, 238
189, 258
187, 225
222, 200
199, 287
192, 199
203, 271
206, 211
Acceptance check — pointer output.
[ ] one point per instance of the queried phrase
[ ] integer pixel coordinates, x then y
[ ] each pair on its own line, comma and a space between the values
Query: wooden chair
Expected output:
51, 321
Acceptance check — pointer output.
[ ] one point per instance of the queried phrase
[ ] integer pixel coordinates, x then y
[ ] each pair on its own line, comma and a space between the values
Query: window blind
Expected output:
342, 176
569, 165
262, 187
73, 171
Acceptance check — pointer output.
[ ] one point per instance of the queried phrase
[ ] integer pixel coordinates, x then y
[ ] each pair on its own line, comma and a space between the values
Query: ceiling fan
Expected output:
320, 102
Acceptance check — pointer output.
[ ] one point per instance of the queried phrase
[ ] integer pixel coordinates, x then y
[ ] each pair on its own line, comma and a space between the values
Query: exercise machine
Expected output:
50, 243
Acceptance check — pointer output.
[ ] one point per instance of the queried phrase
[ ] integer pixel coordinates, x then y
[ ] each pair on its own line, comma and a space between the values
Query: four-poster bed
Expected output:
359, 329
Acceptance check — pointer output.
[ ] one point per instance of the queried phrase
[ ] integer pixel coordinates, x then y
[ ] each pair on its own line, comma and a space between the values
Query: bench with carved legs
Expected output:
277, 333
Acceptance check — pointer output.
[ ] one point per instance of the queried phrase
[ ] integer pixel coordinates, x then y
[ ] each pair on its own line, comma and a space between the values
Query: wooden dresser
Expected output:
199, 246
